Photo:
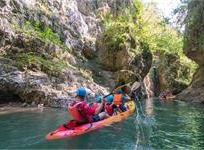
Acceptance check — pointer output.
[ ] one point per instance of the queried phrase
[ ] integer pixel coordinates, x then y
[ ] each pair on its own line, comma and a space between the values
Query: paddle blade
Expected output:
135, 86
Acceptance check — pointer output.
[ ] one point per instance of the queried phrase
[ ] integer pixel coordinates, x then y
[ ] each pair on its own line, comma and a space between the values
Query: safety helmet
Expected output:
81, 92
109, 98
120, 91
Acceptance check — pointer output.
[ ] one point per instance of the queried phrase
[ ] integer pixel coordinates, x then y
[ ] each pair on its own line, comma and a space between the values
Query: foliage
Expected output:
124, 28
44, 32
165, 40
158, 34
34, 61
142, 25
190, 68
176, 70
37, 29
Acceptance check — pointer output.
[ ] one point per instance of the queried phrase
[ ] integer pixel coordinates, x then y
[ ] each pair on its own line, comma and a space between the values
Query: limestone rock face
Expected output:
115, 59
32, 86
77, 24
76, 21
194, 49
167, 74
121, 59
40, 68
64, 17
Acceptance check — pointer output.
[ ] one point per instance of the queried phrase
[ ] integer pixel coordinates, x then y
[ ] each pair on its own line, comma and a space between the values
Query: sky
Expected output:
166, 6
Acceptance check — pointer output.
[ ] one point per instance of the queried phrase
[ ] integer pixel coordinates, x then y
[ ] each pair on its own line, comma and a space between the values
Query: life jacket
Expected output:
109, 108
73, 111
117, 99
95, 106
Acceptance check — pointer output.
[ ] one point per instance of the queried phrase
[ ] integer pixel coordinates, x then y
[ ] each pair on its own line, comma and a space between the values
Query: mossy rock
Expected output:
33, 61
172, 73
114, 56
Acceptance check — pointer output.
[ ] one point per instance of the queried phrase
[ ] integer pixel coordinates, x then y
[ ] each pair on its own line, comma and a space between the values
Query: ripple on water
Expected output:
168, 125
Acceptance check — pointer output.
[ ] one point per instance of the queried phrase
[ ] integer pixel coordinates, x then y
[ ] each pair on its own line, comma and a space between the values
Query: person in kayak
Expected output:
90, 95
107, 99
82, 112
108, 105
119, 99
116, 102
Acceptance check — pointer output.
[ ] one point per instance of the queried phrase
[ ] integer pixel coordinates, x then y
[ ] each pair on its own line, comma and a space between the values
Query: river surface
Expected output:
155, 125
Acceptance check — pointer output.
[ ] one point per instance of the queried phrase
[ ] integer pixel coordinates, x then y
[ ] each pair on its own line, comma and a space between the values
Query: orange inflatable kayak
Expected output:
58, 134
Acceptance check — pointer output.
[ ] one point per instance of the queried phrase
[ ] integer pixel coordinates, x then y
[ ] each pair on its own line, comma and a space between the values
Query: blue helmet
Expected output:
109, 98
119, 91
81, 92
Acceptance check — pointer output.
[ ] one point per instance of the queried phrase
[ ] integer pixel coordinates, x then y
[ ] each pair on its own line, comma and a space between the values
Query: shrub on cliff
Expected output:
141, 25
39, 30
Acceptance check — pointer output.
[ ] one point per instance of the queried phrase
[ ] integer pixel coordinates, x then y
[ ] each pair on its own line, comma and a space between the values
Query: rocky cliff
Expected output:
193, 48
49, 47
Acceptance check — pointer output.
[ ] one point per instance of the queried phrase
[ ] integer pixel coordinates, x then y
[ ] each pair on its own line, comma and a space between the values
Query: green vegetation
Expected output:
44, 32
123, 28
165, 41
175, 72
39, 30
187, 69
160, 36
35, 62
145, 29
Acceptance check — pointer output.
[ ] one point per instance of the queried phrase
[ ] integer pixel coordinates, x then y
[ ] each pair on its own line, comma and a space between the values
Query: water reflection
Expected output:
149, 106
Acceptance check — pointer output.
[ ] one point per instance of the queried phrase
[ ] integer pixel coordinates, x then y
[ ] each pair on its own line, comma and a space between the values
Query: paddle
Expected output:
135, 86
135, 90
113, 91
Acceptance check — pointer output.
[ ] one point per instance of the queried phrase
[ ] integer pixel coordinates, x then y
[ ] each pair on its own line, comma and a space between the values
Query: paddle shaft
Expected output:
116, 89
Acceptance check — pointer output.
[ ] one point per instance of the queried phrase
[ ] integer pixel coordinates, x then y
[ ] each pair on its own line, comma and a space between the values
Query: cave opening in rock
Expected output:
7, 97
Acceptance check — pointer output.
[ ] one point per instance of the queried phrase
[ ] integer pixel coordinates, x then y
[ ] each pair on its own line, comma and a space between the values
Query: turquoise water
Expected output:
156, 125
